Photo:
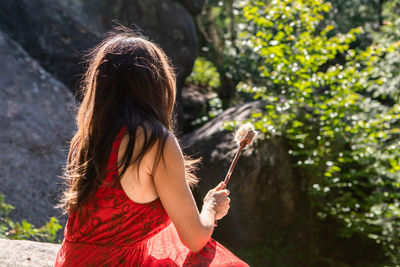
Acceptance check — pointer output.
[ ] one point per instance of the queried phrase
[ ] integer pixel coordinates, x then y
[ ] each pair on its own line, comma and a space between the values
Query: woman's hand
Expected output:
218, 201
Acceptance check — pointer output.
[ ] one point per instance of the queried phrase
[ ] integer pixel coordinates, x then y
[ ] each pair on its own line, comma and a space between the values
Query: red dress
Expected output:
120, 232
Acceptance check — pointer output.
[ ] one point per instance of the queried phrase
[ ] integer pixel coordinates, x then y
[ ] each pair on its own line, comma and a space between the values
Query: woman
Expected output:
127, 177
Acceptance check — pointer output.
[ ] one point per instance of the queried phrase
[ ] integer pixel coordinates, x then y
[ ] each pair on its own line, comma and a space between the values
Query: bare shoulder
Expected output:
170, 149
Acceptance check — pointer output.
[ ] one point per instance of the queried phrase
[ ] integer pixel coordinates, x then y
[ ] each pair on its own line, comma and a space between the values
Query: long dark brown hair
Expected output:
129, 82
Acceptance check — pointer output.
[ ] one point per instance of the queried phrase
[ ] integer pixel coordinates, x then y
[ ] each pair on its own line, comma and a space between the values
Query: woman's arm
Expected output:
194, 228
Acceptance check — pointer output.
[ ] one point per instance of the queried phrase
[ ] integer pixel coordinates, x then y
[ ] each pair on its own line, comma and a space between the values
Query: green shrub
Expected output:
320, 96
24, 230
204, 74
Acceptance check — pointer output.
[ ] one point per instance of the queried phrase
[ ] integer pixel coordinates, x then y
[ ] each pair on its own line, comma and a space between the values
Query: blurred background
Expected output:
318, 79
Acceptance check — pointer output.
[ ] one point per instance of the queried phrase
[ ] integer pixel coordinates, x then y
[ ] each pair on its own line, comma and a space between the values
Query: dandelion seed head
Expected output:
245, 134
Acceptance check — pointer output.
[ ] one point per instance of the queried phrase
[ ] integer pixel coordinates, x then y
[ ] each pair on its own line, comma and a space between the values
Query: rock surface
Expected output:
36, 121
193, 6
50, 33
57, 33
265, 191
194, 104
16, 253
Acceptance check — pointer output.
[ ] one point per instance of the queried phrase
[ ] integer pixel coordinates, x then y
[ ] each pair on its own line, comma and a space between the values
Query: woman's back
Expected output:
111, 220
137, 181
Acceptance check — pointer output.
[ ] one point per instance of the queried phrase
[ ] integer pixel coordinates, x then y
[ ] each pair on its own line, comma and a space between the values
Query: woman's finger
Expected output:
223, 193
220, 186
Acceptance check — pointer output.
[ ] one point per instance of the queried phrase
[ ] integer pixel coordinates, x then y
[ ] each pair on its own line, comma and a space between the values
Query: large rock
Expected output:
193, 6
58, 32
16, 253
52, 34
36, 120
265, 191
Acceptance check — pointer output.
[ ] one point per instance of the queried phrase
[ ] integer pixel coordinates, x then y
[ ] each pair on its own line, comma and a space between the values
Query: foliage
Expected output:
345, 15
204, 74
345, 141
214, 109
381, 22
24, 230
386, 70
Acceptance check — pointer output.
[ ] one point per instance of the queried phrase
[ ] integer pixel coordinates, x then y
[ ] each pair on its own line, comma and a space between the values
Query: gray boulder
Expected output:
193, 6
16, 253
36, 120
265, 191
50, 33
57, 33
